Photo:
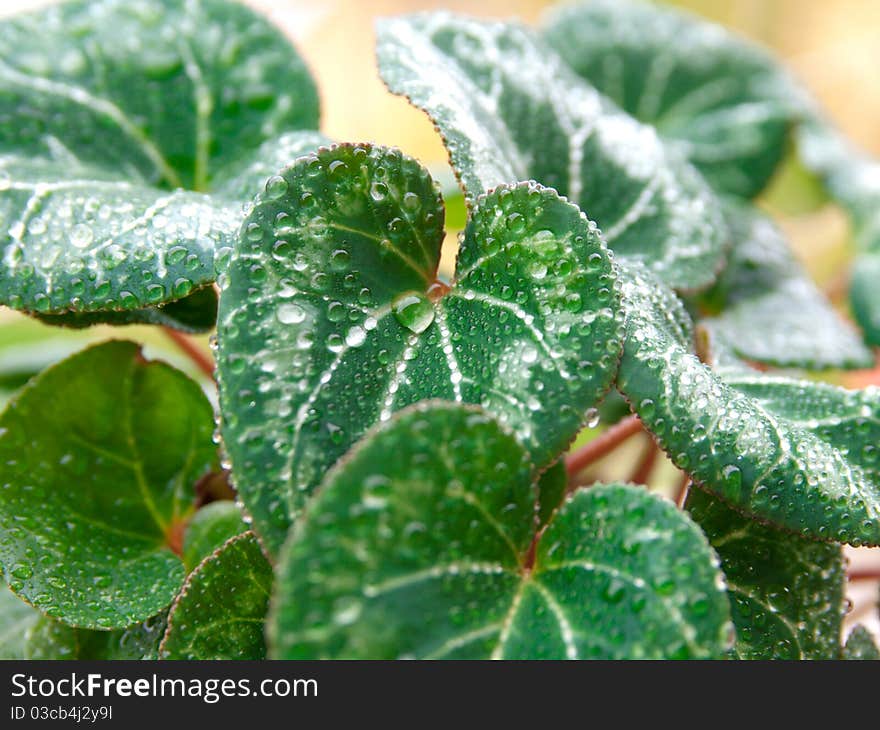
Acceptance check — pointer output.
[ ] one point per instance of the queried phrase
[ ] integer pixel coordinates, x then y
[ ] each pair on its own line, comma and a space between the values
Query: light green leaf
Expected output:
725, 103
510, 109
786, 593
770, 310
100, 455
209, 528
16, 617
50, 639
130, 136
220, 612
860, 644
798, 454
332, 319
419, 545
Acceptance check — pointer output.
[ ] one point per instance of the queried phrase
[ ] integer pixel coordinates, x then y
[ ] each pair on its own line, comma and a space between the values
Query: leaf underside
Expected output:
331, 319
801, 455
101, 452
424, 556
219, 613
509, 109
786, 593
130, 136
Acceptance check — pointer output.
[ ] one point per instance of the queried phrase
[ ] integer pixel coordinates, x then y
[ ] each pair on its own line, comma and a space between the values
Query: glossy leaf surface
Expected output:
428, 555
332, 319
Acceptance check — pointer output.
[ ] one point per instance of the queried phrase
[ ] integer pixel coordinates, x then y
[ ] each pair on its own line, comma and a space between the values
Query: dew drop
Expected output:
289, 313
276, 186
414, 311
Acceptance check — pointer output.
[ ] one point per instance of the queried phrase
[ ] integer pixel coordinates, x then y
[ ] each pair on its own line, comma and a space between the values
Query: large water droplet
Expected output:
414, 311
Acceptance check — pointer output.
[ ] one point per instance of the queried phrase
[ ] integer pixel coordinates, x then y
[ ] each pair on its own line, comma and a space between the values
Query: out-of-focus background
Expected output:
832, 46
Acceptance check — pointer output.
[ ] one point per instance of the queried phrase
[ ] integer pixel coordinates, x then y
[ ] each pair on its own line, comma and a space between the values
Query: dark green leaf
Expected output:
194, 313
117, 119
786, 593
551, 491
209, 528
799, 454
16, 618
221, 610
860, 644
418, 545
50, 639
723, 101
100, 454
332, 319
510, 109
770, 309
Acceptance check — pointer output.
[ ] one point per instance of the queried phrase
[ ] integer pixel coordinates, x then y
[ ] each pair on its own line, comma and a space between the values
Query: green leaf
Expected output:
419, 544
724, 102
770, 310
194, 313
332, 319
852, 178
786, 593
552, 486
100, 453
798, 454
860, 644
16, 618
220, 612
50, 639
131, 134
510, 109
209, 528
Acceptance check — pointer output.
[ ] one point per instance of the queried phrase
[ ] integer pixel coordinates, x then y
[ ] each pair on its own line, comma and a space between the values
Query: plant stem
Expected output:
602, 444
646, 463
864, 574
682, 493
200, 359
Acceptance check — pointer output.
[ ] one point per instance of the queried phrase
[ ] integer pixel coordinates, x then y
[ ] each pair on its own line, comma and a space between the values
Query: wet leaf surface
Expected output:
510, 109
332, 318
786, 593
427, 555
130, 136
799, 454
220, 612
91, 495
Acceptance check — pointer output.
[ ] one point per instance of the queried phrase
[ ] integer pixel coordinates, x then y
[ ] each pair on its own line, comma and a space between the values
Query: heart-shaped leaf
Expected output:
94, 495
332, 318
209, 528
50, 639
769, 310
723, 101
510, 109
786, 593
117, 119
799, 454
16, 618
860, 644
219, 614
421, 544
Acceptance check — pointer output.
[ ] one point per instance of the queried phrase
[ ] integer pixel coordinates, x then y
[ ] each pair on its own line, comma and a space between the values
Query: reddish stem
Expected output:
864, 574
199, 357
646, 463
602, 444
682, 492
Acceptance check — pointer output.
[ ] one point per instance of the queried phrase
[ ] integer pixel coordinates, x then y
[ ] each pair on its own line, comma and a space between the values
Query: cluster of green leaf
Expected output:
396, 440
